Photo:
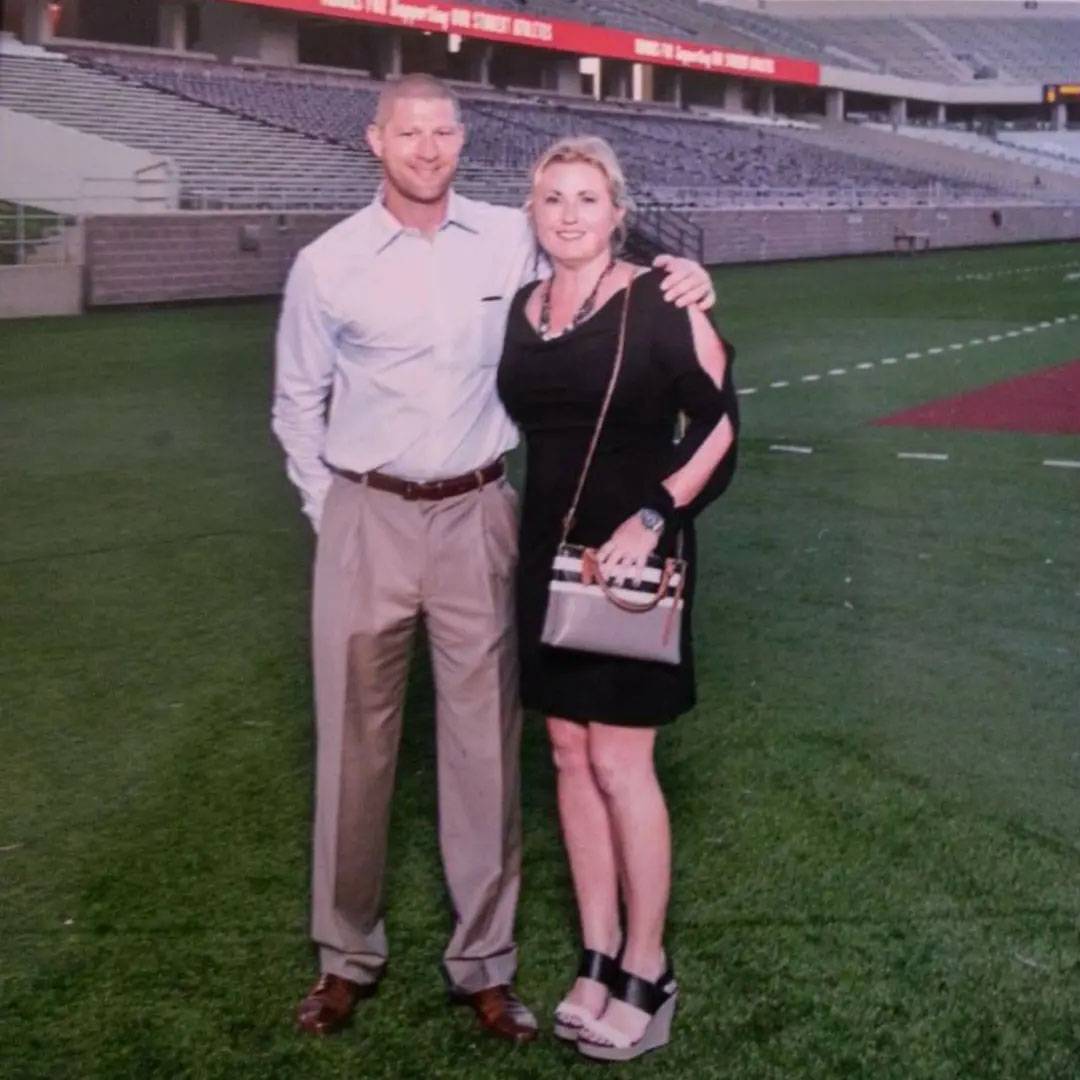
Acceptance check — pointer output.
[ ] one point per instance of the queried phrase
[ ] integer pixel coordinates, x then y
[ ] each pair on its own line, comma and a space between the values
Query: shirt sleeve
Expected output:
698, 399
303, 380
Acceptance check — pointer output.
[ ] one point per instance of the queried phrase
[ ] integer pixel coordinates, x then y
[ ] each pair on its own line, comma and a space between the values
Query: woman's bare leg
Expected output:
622, 763
586, 829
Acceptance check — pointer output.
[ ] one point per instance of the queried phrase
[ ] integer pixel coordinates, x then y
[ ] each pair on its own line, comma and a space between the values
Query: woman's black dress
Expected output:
553, 390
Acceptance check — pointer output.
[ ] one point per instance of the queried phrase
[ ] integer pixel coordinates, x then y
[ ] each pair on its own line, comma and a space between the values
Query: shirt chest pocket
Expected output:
492, 309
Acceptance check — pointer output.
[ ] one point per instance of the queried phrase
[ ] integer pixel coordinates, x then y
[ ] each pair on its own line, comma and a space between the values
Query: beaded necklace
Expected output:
582, 313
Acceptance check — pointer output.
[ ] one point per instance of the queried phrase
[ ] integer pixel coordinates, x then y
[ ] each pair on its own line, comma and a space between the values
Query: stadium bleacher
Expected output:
1004, 147
896, 45
1032, 50
783, 35
935, 47
201, 119
1058, 146
228, 151
252, 134
244, 136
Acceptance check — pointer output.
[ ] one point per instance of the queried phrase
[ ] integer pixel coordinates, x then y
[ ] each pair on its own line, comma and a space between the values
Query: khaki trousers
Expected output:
381, 564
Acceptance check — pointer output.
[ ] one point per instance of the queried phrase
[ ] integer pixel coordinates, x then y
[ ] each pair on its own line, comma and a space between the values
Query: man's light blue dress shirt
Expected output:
388, 345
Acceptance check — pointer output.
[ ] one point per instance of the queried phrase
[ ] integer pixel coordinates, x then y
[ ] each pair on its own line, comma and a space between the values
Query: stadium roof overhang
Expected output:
582, 39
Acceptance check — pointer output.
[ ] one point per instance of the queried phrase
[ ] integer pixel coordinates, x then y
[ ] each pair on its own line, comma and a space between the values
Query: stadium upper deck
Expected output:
272, 61
203, 116
948, 47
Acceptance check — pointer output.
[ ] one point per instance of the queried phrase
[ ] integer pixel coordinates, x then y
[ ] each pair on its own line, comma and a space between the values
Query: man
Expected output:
385, 404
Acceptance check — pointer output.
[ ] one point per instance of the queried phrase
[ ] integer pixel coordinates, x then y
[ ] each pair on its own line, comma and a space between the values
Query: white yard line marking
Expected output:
915, 354
989, 275
904, 455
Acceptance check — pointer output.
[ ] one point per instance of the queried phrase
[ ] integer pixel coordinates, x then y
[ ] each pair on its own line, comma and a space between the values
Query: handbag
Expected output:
585, 611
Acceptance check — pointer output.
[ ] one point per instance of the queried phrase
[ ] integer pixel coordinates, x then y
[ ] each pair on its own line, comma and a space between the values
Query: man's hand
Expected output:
687, 282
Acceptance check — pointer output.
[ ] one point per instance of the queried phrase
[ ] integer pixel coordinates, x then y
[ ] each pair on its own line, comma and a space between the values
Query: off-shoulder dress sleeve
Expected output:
699, 399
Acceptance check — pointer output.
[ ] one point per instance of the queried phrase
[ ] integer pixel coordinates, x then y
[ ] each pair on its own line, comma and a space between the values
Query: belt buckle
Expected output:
411, 491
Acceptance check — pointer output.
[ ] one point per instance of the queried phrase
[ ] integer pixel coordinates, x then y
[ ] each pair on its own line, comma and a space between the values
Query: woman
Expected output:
602, 712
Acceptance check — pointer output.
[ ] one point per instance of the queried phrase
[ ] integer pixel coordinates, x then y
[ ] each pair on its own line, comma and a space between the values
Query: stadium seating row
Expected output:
934, 48
235, 131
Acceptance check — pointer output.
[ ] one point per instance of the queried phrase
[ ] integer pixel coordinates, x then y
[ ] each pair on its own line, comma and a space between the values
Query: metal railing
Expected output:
656, 229
152, 188
284, 195
280, 195
934, 194
31, 234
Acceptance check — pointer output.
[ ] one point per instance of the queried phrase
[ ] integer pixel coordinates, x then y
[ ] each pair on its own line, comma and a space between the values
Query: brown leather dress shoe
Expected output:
502, 1012
328, 1006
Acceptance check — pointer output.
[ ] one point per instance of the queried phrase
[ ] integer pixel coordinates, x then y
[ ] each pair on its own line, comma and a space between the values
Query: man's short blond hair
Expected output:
587, 150
416, 86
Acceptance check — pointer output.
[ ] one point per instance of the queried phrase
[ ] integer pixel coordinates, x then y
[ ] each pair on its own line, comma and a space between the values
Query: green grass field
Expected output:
875, 803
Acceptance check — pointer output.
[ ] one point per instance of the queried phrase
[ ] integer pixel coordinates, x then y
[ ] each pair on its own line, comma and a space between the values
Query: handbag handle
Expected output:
591, 572
568, 519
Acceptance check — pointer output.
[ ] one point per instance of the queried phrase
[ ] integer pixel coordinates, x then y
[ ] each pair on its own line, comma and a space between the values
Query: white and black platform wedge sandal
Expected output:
571, 1018
602, 1042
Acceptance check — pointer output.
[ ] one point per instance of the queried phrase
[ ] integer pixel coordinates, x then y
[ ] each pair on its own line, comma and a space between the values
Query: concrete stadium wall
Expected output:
737, 236
133, 259
58, 168
31, 291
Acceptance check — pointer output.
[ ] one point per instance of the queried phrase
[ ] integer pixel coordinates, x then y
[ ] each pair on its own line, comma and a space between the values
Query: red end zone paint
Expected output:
1045, 402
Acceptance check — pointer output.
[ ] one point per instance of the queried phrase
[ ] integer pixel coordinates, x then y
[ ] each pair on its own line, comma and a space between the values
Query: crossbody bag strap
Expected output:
568, 520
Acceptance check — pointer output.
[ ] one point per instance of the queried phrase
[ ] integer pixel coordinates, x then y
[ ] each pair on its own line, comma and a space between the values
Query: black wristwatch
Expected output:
653, 520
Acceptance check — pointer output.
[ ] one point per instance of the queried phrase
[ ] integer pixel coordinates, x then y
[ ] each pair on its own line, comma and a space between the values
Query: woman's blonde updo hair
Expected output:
587, 150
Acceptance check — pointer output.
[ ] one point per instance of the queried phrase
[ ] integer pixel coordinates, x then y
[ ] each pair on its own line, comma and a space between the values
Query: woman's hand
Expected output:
623, 556
687, 283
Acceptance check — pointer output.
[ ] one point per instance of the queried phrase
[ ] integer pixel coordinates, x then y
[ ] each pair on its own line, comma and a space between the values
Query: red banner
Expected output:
580, 38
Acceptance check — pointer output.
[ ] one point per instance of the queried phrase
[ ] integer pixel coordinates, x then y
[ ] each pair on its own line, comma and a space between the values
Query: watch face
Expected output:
651, 519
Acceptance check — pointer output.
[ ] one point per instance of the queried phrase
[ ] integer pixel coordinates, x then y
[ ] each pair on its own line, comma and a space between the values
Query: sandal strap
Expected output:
600, 1033
566, 1012
642, 994
598, 966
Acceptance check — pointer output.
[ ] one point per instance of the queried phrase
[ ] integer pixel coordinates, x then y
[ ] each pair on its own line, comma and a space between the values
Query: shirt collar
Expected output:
459, 212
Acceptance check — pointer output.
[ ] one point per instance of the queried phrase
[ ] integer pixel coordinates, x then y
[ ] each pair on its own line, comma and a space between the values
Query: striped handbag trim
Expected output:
628, 593
567, 568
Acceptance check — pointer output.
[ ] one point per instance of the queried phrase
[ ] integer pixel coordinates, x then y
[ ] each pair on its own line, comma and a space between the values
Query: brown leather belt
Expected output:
427, 489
